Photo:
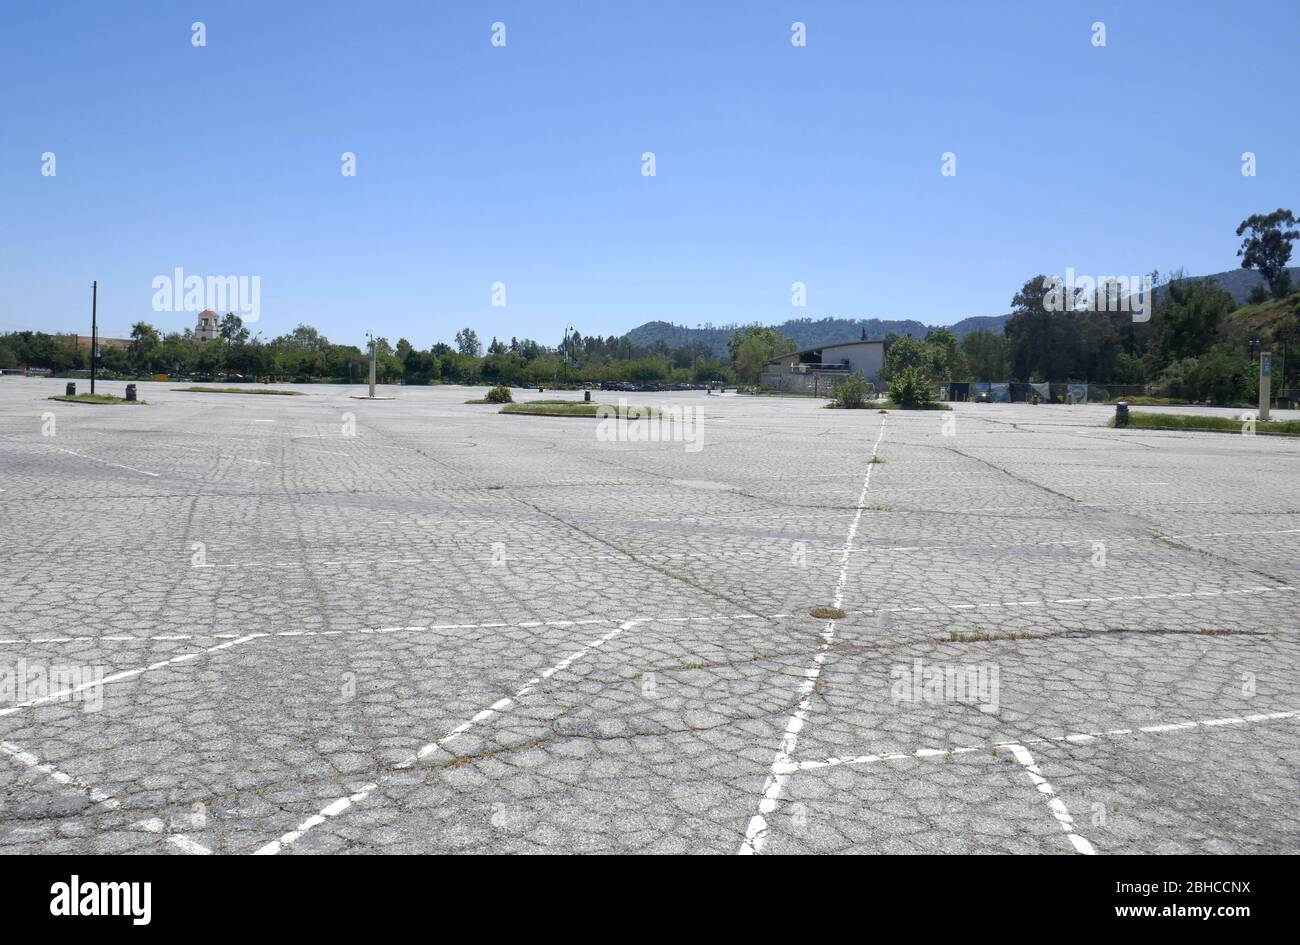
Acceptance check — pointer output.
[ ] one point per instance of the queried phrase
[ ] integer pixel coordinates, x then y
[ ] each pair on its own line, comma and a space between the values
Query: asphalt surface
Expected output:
318, 624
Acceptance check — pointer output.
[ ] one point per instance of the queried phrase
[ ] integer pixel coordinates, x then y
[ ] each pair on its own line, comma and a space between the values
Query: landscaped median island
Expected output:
236, 390
910, 390
95, 399
1194, 422
882, 405
578, 408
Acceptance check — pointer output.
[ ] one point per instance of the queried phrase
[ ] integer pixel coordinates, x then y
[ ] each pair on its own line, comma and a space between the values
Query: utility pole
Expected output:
568, 351
372, 364
94, 330
1265, 382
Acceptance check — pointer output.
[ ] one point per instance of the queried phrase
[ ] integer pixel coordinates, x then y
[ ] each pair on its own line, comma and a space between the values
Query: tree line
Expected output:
305, 355
1188, 348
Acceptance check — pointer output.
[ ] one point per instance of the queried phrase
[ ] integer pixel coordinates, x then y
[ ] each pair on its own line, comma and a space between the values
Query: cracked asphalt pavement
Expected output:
317, 624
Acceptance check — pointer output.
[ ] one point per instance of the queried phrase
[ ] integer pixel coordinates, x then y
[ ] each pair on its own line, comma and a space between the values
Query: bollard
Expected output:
586, 395
70, 390
130, 392
1121, 413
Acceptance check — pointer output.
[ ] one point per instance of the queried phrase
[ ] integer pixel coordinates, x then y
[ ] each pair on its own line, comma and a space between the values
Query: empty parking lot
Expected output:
279, 625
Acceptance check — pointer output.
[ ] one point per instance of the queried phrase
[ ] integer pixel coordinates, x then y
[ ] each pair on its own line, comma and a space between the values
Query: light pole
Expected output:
94, 330
1265, 382
372, 364
568, 349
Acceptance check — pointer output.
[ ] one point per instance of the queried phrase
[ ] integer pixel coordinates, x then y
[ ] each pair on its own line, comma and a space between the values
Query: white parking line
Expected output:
1054, 803
100, 797
186, 845
338, 806
108, 801
756, 831
117, 677
1077, 738
105, 462
178, 840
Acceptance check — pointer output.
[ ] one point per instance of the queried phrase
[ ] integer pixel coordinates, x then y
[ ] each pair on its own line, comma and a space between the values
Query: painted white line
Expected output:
336, 807
1074, 738
186, 845
756, 831
105, 462
127, 674
178, 840
108, 801
1054, 803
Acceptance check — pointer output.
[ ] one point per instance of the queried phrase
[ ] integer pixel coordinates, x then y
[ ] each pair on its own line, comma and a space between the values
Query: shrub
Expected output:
911, 388
853, 393
499, 395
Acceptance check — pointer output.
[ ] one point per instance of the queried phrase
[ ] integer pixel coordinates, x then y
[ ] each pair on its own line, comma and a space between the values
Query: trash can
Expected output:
586, 395
71, 389
1121, 413
130, 392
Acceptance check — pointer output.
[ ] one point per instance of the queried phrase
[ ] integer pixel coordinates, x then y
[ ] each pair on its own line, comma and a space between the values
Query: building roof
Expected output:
837, 344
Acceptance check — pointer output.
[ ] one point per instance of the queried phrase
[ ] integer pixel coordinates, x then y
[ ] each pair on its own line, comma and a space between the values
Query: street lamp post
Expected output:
372, 364
568, 350
1265, 382
94, 330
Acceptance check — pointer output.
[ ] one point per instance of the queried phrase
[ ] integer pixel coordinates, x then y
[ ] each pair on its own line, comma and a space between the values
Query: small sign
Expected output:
1265, 365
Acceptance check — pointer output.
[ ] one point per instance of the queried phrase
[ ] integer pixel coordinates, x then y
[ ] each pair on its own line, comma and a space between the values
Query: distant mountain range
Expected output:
809, 333
1239, 283
806, 332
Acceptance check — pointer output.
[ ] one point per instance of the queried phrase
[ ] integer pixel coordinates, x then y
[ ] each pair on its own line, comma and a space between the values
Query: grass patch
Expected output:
985, 637
932, 405
96, 399
828, 613
1142, 400
236, 390
1191, 422
574, 408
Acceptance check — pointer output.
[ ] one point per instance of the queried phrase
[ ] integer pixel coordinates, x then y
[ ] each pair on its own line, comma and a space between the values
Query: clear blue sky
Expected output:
522, 164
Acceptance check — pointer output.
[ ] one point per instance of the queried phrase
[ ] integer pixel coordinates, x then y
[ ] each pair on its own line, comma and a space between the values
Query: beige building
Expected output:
850, 357
209, 325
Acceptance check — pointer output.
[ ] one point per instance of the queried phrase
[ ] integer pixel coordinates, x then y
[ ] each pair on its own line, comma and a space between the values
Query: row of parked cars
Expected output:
629, 386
